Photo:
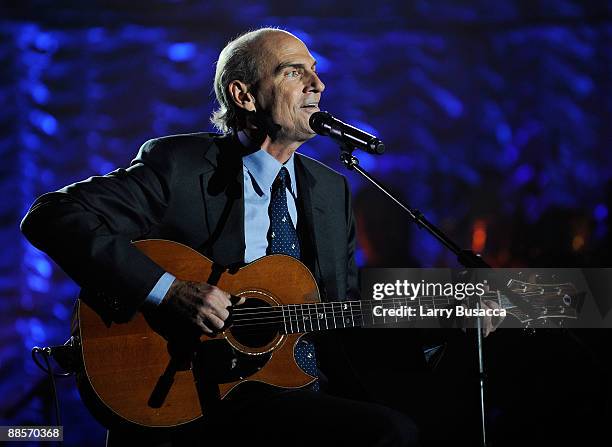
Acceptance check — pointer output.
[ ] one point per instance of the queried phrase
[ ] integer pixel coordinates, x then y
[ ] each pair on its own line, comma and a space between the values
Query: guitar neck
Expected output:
310, 317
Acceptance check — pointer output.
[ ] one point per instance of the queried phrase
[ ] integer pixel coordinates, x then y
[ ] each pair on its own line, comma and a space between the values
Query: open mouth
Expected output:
312, 106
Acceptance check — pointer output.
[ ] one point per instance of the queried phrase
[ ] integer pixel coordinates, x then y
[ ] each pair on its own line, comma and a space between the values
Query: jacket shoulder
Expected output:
173, 145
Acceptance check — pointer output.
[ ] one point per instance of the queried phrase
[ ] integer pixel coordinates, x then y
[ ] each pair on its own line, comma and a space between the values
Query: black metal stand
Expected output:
467, 258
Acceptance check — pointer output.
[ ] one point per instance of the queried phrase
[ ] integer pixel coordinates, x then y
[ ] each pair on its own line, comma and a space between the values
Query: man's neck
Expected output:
280, 150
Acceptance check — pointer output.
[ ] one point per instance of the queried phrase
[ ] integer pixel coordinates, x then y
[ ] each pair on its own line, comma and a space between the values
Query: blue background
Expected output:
496, 117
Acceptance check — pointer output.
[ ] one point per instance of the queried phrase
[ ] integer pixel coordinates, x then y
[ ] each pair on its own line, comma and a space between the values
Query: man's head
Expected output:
267, 79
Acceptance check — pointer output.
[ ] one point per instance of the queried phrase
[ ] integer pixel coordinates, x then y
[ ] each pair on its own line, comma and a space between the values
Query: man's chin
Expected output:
308, 135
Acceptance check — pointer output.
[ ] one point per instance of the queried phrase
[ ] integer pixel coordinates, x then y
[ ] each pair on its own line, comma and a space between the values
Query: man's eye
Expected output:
293, 74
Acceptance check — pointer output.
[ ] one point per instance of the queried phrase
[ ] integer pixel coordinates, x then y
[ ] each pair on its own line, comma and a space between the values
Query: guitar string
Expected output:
432, 297
421, 299
302, 327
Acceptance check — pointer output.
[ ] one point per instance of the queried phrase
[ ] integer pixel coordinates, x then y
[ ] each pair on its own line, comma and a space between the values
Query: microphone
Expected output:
325, 124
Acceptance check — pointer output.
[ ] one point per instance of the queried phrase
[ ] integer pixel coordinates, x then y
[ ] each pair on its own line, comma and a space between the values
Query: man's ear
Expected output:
240, 94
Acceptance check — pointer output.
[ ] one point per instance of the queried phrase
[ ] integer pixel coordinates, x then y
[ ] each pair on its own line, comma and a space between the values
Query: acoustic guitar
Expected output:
133, 372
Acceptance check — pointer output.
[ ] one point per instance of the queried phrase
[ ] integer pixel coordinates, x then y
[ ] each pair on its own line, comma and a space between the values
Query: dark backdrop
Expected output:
496, 117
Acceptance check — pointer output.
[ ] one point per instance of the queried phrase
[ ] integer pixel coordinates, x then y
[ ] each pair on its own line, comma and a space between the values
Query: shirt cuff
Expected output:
159, 290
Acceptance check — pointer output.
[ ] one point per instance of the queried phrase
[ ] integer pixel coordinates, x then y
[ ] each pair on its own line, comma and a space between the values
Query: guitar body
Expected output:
132, 373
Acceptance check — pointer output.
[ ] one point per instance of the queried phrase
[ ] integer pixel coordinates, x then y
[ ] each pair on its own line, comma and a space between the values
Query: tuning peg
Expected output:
567, 300
537, 278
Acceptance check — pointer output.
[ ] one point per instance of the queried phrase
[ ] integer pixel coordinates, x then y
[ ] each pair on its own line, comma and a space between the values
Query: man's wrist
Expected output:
159, 291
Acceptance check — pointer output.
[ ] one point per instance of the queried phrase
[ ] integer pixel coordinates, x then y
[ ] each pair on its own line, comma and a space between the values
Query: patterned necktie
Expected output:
283, 238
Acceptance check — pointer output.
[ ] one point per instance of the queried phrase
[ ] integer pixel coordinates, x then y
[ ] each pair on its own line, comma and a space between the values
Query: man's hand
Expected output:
489, 323
198, 303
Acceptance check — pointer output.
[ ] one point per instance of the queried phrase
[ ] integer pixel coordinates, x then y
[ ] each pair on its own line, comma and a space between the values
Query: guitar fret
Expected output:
310, 317
333, 315
406, 303
322, 316
371, 312
360, 313
394, 307
383, 315
297, 318
284, 319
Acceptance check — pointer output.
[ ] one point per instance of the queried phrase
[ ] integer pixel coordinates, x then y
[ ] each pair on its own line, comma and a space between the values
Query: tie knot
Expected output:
282, 179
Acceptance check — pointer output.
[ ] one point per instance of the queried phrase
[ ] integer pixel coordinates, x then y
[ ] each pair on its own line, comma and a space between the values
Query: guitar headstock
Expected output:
548, 300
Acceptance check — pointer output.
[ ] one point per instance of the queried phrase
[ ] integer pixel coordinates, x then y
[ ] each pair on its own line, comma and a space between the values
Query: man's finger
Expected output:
491, 304
222, 297
236, 300
495, 321
221, 312
215, 321
202, 326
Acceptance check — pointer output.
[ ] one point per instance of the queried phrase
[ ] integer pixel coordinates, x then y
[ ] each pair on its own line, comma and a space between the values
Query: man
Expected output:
229, 197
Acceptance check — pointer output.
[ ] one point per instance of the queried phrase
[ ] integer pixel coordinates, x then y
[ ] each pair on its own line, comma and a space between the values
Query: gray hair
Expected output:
239, 60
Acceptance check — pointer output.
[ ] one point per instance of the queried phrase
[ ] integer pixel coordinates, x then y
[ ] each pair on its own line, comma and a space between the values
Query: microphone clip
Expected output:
347, 157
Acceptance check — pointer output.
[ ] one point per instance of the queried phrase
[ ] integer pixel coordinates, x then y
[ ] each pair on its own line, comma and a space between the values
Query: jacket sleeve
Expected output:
87, 227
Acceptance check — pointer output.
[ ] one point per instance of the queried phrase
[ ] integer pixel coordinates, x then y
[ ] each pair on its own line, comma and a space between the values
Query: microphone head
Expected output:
318, 120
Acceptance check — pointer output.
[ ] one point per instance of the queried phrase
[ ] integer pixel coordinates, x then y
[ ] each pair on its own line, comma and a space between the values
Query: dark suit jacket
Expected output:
186, 188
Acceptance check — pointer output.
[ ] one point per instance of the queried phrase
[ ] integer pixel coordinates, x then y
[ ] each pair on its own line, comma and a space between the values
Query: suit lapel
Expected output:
222, 188
315, 204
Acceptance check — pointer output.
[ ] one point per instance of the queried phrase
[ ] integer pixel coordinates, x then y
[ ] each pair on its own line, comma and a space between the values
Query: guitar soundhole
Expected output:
255, 323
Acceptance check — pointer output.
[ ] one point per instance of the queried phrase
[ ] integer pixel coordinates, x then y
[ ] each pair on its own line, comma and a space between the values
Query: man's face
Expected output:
289, 89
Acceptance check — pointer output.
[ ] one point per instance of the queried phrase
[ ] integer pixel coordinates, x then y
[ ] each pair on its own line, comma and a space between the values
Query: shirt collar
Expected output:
264, 168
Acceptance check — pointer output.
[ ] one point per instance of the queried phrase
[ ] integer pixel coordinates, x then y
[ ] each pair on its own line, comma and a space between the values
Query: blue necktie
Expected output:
283, 238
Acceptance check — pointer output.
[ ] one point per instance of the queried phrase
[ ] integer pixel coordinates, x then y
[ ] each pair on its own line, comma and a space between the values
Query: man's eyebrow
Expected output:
284, 65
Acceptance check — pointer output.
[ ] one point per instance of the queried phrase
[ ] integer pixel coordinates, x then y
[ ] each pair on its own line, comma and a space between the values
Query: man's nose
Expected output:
315, 84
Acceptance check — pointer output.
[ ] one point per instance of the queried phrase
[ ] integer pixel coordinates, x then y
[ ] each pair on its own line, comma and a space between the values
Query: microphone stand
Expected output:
467, 258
